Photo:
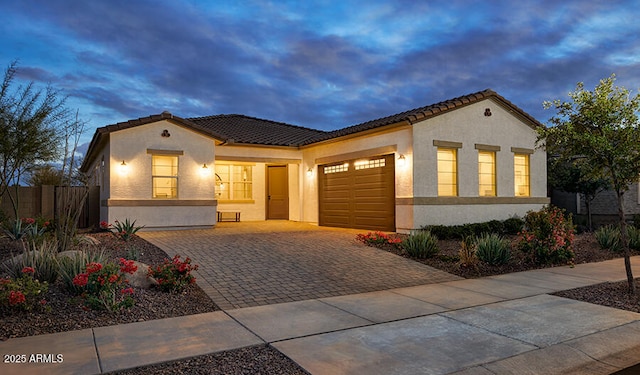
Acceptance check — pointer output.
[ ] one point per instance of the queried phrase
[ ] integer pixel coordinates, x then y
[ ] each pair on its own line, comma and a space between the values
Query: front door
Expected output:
277, 192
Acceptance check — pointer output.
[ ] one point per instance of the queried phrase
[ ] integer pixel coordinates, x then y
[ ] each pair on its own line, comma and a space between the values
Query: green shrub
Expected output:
42, 258
421, 244
608, 237
493, 249
105, 286
123, 231
174, 275
24, 292
467, 254
72, 266
452, 232
633, 235
548, 236
513, 225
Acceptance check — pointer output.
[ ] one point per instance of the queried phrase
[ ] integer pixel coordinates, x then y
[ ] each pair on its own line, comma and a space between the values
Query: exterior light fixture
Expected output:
401, 160
309, 172
123, 168
204, 171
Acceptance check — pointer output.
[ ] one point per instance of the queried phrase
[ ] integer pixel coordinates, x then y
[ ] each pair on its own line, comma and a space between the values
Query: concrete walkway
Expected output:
505, 324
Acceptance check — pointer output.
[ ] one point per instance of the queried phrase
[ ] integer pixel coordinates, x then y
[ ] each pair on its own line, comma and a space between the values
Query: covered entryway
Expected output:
358, 194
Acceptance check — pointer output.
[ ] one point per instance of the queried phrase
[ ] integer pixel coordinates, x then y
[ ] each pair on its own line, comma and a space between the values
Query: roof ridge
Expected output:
420, 113
254, 118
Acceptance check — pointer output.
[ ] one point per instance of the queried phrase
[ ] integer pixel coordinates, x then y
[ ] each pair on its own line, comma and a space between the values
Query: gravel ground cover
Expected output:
67, 312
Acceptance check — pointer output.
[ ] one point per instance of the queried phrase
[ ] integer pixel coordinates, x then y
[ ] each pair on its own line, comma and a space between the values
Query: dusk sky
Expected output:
318, 64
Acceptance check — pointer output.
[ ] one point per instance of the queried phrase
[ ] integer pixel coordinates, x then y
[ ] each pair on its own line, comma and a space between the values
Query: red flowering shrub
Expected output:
24, 293
174, 275
105, 287
378, 238
548, 236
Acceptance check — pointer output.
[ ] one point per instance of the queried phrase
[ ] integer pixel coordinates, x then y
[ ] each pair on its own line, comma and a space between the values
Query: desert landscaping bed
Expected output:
66, 312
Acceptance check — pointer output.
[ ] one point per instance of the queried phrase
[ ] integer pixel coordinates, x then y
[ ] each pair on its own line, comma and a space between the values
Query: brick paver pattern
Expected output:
259, 263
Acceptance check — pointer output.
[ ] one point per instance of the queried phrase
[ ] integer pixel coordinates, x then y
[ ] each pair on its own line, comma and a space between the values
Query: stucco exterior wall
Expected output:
129, 191
463, 214
469, 126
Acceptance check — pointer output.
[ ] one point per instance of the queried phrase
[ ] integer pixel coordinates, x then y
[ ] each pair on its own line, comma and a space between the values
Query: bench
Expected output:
236, 215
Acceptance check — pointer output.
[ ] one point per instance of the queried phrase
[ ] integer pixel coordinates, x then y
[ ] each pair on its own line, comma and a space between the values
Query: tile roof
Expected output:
242, 129
251, 130
418, 114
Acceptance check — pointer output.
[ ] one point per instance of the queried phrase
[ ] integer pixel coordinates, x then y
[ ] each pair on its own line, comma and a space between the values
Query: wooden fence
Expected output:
47, 201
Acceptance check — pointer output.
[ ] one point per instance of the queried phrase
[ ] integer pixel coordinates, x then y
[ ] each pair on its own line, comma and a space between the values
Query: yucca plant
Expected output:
608, 237
493, 249
633, 234
72, 265
42, 258
421, 244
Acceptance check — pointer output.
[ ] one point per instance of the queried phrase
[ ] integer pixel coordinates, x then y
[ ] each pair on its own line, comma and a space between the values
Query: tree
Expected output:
45, 174
29, 121
573, 175
601, 127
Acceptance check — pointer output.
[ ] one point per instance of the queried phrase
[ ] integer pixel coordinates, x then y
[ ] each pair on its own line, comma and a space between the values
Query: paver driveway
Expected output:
259, 263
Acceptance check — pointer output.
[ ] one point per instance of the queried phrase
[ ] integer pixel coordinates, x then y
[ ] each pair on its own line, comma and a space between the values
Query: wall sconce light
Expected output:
123, 168
309, 172
401, 160
204, 171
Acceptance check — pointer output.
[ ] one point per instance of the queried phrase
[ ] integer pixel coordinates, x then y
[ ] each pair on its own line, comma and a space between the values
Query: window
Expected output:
486, 173
447, 172
521, 175
234, 182
336, 168
367, 164
164, 174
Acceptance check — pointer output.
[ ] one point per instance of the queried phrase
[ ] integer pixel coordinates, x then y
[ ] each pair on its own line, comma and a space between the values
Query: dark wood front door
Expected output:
277, 192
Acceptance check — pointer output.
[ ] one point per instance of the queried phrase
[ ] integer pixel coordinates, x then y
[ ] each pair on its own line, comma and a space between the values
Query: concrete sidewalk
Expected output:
506, 324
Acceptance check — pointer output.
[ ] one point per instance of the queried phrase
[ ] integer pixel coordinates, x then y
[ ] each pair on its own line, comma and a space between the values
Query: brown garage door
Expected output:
358, 194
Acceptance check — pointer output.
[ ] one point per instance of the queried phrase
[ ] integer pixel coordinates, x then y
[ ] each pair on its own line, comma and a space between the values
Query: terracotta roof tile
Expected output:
418, 114
251, 130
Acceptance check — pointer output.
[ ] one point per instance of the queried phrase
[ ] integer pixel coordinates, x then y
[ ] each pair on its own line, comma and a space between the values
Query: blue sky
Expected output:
319, 64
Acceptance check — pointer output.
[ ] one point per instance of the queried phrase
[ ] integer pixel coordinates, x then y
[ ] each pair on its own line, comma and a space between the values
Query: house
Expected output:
463, 160
604, 206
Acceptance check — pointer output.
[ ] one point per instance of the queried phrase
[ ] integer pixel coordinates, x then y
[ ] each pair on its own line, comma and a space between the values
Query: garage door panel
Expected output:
362, 198
369, 193
337, 221
367, 222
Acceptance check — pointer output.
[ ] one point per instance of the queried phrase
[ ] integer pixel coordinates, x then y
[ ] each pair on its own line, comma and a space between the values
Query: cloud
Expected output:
316, 64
